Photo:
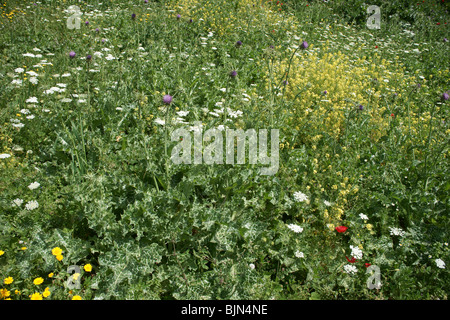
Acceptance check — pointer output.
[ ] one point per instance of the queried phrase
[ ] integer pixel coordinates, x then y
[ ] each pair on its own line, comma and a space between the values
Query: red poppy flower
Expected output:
392, 114
438, 23
367, 264
376, 47
352, 260
341, 229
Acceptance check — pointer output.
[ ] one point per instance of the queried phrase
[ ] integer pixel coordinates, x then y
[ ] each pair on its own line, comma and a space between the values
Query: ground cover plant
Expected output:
92, 205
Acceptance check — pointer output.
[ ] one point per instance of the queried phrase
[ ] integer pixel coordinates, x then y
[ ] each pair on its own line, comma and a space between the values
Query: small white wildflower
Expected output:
356, 252
32, 100
363, 216
326, 203
34, 80
350, 269
300, 196
252, 266
160, 121
295, 228
30, 117
34, 185
18, 202
19, 70
440, 263
31, 205
299, 254
396, 232
17, 82
183, 113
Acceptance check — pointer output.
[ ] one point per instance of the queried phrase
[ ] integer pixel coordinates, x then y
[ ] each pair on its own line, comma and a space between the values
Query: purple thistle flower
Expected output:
146, 1
325, 92
88, 58
238, 43
72, 54
86, 23
361, 107
178, 16
133, 16
97, 30
190, 20
233, 74
167, 99
445, 96
304, 45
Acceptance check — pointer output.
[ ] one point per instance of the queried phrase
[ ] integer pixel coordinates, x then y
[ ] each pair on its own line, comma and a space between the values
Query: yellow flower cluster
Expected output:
348, 83
9, 15
57, 252
223, 16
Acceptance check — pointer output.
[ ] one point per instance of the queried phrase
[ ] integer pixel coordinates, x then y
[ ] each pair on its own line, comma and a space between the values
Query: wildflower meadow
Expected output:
224, 150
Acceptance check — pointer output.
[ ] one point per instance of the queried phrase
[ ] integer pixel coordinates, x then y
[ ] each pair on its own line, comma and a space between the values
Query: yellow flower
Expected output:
77, 297
59, 257
17, 292
8, 280
23, 248
75, 276
4, 293
369, 226
2, 252
50, 275
38, 281
56, 251
46, 292
36, 296
88, 268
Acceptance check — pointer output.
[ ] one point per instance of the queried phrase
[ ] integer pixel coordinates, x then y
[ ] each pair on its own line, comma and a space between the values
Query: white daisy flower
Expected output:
4, 156
299, 254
